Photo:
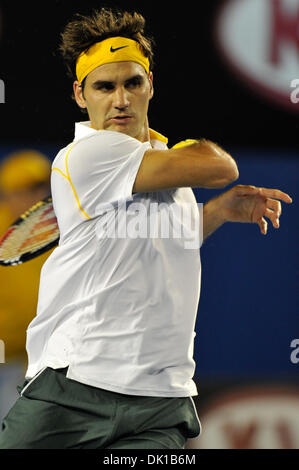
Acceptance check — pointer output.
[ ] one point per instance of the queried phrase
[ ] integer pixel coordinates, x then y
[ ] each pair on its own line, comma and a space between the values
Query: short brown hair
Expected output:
84, 31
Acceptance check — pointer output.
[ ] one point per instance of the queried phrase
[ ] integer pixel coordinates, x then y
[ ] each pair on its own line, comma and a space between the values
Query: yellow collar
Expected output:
154, 135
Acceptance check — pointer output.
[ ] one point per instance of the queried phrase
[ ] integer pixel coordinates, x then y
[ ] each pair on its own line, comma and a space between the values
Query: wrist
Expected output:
213, 208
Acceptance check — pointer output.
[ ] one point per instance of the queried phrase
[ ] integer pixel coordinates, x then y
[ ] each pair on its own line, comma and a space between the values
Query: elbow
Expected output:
228, 170
233, 173
229, 174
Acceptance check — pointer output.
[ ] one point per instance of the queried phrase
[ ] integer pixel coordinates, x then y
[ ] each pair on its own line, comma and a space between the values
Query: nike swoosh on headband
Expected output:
117, 48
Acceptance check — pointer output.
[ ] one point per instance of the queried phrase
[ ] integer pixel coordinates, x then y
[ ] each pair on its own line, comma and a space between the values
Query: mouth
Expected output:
121, 119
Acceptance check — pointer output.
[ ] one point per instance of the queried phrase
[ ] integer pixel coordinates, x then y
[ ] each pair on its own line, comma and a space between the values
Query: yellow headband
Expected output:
116, 49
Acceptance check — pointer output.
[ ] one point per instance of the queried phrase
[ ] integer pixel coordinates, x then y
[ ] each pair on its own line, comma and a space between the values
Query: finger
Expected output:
273, 217
263, 225
276, 194
275, 206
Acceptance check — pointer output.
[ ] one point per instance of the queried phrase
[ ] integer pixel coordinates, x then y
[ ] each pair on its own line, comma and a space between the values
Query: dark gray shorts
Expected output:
54, 412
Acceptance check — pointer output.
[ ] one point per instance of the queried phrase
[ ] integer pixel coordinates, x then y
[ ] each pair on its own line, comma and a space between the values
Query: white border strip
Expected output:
200, 426
29, 383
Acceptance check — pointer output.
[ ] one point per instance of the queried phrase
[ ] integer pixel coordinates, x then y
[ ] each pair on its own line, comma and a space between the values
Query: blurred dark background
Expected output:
195, 92
248, 311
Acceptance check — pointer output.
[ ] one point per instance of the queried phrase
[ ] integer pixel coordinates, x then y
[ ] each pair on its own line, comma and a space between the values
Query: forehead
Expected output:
116, 71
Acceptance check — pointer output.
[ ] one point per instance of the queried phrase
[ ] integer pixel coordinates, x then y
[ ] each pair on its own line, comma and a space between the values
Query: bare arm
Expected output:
202, 164
213, 217
244, 203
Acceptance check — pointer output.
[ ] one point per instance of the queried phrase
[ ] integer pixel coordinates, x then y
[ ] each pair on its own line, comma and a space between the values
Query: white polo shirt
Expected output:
119, 310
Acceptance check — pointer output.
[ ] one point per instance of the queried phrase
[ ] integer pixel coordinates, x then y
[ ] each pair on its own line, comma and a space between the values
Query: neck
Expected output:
144, 135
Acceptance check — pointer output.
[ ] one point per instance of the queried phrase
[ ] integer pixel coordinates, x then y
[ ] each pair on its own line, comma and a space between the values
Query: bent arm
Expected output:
202, 164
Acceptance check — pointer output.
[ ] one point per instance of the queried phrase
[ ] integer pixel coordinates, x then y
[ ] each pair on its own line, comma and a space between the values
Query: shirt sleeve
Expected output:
102, 169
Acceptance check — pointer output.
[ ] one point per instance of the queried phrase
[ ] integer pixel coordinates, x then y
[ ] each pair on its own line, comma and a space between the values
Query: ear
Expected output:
151, 82
78, 93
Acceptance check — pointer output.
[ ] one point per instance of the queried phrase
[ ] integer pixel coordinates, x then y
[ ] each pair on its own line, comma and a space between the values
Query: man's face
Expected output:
117, 96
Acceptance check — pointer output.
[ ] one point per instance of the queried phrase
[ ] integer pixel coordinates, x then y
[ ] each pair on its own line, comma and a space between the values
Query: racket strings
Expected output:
36, 230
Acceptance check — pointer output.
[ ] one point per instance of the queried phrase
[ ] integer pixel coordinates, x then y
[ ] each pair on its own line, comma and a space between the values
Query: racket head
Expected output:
33, 233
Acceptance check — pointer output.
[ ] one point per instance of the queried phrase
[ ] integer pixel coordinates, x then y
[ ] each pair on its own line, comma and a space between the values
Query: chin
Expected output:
123, 129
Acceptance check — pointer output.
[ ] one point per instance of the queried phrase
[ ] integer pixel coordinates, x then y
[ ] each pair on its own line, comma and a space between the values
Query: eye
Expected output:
104, 86
134, 82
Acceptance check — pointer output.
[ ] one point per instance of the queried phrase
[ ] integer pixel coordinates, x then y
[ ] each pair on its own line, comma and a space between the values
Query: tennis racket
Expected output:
33, 233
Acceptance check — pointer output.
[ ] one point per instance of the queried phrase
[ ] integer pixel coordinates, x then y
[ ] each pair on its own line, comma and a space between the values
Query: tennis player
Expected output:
111, 347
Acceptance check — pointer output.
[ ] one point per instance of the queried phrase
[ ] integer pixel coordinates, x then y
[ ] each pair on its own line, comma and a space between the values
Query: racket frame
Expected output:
32, 253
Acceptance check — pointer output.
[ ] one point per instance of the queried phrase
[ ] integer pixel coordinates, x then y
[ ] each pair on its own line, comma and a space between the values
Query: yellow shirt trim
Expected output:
57, 169
71, 183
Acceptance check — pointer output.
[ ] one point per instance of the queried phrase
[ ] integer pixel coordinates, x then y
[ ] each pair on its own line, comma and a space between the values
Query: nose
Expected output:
120, 98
